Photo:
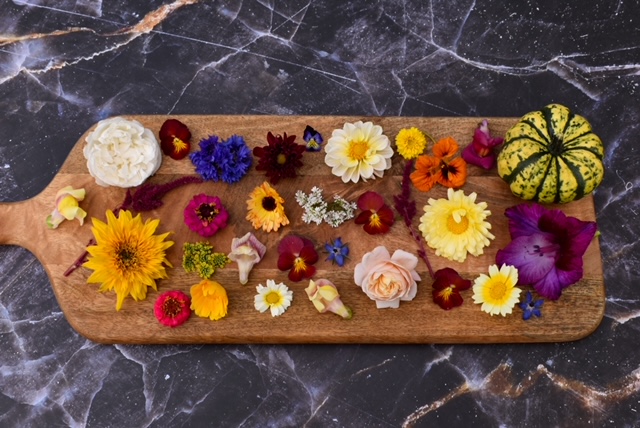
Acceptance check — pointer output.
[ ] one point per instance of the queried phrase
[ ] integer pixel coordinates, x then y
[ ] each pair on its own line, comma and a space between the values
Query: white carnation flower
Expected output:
122, 153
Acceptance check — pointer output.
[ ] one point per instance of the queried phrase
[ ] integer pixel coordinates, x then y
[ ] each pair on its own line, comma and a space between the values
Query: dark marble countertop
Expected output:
64, 65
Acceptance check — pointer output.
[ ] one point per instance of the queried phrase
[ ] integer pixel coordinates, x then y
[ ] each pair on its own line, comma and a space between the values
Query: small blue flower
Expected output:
226, 161
338, 251
531, 307
313, 139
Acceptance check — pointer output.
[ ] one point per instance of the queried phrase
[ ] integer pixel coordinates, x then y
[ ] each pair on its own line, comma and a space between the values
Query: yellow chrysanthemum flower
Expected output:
266, 208
358, 150
410, 142
127, 257
209, 300
456, 226
497, 292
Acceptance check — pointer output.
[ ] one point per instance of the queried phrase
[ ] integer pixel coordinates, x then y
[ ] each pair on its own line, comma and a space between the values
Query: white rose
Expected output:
122, 153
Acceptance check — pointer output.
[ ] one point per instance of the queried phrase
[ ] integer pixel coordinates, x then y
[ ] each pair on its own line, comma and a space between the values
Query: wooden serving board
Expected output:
576, 314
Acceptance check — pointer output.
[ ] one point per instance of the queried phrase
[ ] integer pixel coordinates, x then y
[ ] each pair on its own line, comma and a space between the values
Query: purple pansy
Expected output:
481, 150
547, 247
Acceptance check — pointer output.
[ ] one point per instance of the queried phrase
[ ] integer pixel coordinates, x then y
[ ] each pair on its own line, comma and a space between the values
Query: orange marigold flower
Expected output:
442, 168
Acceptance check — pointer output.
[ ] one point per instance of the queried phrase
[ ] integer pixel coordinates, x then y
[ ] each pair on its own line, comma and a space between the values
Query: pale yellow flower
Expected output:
497, 292
456, 226
358, 150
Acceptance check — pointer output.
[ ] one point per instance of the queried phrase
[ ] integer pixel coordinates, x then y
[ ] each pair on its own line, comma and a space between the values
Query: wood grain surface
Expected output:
576, 314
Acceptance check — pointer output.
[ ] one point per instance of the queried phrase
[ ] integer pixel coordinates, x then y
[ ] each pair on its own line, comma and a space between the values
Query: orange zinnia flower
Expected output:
442, 168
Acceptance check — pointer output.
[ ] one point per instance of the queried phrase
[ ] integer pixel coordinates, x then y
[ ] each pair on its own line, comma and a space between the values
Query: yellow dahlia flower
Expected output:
358, 150
497, 292
410, 142
127, 257
456, 226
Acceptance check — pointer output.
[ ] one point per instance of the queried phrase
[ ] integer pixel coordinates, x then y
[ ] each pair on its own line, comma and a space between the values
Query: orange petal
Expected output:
455, 174
446, 148
427, 173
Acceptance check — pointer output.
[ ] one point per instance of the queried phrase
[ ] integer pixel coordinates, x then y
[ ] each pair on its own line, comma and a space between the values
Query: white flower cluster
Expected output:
317, 210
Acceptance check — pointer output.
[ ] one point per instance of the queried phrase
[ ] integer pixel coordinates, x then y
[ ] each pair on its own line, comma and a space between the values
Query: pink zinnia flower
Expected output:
172, 308
205, 215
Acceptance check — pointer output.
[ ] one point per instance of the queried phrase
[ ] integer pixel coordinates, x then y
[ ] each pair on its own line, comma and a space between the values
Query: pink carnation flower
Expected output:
205, 215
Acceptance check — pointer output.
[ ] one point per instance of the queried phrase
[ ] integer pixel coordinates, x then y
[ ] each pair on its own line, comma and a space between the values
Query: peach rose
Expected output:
387, 279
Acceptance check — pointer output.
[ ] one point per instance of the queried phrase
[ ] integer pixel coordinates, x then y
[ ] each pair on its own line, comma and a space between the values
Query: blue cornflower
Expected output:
313, 139
226, 161
338, 251
531, 307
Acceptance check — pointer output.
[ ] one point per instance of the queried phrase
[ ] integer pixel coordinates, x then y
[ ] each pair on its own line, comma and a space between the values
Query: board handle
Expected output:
22, 223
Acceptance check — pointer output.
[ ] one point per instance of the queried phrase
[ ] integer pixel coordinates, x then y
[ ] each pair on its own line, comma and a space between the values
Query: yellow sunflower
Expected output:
127, 257
497, 292
410, 142
358, 150
456, 226
266, 209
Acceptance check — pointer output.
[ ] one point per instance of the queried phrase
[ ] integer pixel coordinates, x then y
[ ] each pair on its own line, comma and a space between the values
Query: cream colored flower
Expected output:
325, 297
387, 279
456, 226
358, 150
497, 292
122, 153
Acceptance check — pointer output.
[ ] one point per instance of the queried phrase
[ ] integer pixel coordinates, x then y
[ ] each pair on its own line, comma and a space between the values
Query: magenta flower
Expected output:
481, 150
205, 215
546, 248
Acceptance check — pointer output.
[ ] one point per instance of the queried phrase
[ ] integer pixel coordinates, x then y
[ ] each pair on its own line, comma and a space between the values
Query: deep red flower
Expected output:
376, 216
175, 139
297, 255
172, 308
447, 287
280, 158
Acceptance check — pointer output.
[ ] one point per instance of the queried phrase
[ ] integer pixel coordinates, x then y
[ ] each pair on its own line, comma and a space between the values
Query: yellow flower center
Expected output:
497, 289
126, 257
457, 227
179, 145
299, 264
272, 298
374, 220
282, 159
358, 149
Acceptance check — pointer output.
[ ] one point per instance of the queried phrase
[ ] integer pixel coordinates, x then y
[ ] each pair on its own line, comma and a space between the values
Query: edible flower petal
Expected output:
274, 297
481, 151
175, 139
205, 215
497, 292
410, 143
447, 286
547, 247
280, 158
246, 251
209, 300
376, 216
172, 308
297, 255
226, 161
531, 307
67, 207
313, 139
442, 168
325, 297
338, 251
266, 208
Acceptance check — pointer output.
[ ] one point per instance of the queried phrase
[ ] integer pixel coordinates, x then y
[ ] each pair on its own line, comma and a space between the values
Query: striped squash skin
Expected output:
551, 156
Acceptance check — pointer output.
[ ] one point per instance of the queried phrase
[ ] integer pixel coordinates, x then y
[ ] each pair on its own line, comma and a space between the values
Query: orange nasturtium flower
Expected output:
441, 168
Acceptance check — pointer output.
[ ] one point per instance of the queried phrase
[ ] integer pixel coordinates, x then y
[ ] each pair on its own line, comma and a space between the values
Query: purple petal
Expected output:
533, 256
470, 155
552, 284
523, 219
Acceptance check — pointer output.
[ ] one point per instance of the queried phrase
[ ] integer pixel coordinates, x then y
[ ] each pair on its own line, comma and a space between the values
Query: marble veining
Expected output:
66, 64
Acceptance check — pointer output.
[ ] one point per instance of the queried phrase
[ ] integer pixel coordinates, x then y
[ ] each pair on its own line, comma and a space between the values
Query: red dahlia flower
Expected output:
175, 139
297, 254
280, 158
376, 216
172, 308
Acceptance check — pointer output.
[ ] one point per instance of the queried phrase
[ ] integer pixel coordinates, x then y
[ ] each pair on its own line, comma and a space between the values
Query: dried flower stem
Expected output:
406, 207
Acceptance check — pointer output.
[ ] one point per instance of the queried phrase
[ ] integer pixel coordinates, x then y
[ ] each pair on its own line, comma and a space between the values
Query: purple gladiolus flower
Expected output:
481, 150
546, 248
